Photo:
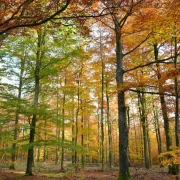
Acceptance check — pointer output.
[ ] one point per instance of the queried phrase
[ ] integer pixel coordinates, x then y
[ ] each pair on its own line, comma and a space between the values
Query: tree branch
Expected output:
137, 46
16, 12
123, 20
37, 23
151, 92
147, 64
81, 16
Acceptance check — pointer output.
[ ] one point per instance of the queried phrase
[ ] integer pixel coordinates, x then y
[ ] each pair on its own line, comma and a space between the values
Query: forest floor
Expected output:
48, 171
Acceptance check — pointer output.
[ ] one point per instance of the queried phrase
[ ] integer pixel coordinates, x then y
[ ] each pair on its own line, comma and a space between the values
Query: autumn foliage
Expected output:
90, 82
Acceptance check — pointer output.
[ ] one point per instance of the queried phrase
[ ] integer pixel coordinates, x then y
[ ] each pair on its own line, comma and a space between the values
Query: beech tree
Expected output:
15, 56
126, 8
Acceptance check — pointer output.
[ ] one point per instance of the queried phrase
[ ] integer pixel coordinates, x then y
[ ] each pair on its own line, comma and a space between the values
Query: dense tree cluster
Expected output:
90, 82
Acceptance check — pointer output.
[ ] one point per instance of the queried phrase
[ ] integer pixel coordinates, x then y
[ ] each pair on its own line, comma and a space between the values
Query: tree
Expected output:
45, 65
17, 53
38, 62
126, 8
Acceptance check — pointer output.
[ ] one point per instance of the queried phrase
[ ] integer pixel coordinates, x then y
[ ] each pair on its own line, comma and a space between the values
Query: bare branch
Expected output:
81, 16
137, 46
106, 24
151, 92
123, 20
147, 64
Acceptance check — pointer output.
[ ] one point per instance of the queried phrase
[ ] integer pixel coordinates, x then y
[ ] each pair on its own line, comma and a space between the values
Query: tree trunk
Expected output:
77, 128
157, 130
141, 99
88, 140
149, 144
45, 138
135, 138
177, 125
109, 129
73, 132
57, 128
63, 127
141, 142
14, 146
122, 124
163, 108
39, 57
163, 103
77, 114
82, 134
99, 137
128, 128
102, 102
38, 153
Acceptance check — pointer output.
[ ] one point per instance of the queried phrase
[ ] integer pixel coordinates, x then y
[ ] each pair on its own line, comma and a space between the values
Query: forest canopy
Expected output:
90, 83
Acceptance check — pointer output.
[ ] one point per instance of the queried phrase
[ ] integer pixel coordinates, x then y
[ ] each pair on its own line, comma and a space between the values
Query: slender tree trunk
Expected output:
102, 102
135, 138
163, 103
82, 133
177, 129
157, 130
38, 153
14, 146
128, 128
99, 142
141, 99
77, 129
141, 141
45, 138
149, 144
148, 137
77, 113
177, 125
109, 129
73, 132
88, 139
57, 128
63, 127
105, 142
164, 108
39, 57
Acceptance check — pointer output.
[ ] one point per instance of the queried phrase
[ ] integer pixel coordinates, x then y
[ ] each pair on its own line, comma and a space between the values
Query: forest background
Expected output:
90, 82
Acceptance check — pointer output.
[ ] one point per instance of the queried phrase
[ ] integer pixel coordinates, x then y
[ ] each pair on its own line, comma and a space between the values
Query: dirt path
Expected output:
87, 174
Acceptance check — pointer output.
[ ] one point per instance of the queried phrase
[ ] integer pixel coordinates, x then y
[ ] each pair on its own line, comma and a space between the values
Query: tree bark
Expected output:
122, 123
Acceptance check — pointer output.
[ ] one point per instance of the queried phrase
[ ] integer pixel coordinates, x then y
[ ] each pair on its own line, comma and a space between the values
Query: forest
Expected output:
89, 89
